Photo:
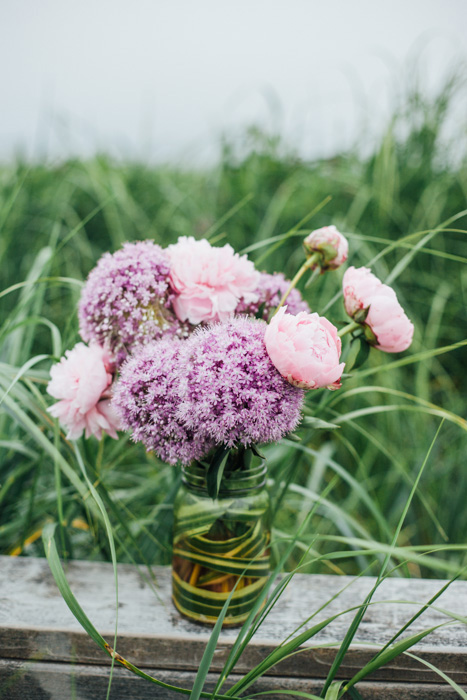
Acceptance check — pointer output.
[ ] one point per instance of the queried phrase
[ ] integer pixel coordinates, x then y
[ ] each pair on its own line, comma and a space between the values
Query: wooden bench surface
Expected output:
44, 653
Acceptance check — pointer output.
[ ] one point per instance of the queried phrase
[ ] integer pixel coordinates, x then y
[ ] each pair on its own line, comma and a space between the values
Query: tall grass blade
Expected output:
228, 215
108, 528
79, 614
390, 654
360, 613
290, 232
248, 629
206, 660
440, 673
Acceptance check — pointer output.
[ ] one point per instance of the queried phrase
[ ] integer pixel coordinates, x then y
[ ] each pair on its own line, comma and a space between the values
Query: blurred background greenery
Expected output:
402, 207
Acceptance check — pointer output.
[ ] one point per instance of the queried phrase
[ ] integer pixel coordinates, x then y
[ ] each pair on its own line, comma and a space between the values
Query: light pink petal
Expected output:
386, 317
81, 379
328, 236
305, 349
209, 281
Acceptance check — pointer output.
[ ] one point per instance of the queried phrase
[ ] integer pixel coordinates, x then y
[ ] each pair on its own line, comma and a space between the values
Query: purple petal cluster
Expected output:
230, 390
126, 299
270, 291
146, 398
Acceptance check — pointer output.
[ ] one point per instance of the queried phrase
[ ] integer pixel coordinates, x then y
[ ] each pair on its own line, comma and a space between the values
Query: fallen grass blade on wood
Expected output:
79, 614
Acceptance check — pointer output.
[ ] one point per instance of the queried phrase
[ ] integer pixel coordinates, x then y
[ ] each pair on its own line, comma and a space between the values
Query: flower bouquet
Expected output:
204, 359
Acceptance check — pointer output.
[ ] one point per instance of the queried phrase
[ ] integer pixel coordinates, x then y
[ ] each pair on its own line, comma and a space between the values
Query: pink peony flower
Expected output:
305, 349
368, 299
332, 245
81, 380
209, 282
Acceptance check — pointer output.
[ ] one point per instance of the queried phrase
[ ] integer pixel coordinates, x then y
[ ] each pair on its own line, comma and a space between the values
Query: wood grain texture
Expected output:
36, 624
49, 681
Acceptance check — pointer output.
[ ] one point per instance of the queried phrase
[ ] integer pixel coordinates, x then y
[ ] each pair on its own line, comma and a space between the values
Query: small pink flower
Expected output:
82, 381
385, 317
332, 245
305, 349
209, 282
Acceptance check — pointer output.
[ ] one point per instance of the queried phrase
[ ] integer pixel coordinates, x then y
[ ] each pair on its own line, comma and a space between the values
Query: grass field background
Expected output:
403, 208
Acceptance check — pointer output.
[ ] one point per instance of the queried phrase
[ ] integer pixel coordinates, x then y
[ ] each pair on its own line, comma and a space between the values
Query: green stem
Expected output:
316, 272
309, 262
100, 454
352, 326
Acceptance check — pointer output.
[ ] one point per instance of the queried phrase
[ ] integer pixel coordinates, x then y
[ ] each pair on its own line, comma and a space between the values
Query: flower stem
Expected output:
309, 262
352, 326
312, 277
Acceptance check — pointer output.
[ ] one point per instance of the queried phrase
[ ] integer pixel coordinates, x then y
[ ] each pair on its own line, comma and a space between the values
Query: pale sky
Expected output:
162, 79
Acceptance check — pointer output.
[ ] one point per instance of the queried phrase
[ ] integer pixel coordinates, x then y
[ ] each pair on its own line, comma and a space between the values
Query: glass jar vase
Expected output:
220, 542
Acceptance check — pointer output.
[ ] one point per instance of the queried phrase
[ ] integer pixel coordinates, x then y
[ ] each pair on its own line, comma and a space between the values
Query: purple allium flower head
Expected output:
126, 299
146, 400
270, 290
230, 390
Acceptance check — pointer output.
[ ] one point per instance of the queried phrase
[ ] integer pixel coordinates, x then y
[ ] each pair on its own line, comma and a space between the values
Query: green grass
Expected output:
403, 210
376, 484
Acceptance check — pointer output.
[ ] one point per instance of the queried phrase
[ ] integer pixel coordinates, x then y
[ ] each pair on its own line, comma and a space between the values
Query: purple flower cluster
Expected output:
270, 291
230, 390
126, 299
181, 399
146, 399
219, 387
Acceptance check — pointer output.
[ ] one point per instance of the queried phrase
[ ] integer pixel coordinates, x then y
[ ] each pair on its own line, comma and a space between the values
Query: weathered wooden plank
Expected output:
51, 681
36, 624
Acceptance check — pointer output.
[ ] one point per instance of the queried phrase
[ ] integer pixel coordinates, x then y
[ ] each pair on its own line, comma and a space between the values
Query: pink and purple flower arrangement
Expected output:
202, 358
191, 348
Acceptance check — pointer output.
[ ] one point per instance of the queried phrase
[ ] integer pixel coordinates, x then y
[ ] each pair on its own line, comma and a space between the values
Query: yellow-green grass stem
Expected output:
307, 265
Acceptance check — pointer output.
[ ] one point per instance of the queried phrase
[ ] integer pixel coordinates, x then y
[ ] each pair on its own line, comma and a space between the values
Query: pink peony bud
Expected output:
305, 349
374, 304
81, 380
331, 244
208, 281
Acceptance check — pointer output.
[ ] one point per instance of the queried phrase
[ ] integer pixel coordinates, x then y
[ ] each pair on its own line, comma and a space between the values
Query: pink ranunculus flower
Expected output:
81, 380
305, 349
366, 294
332, 245
209, 281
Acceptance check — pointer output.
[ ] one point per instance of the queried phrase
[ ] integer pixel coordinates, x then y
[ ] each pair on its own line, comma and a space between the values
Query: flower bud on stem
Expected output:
309, 263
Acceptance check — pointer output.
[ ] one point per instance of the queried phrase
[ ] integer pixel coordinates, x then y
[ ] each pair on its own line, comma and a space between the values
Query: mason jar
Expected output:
220, 543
